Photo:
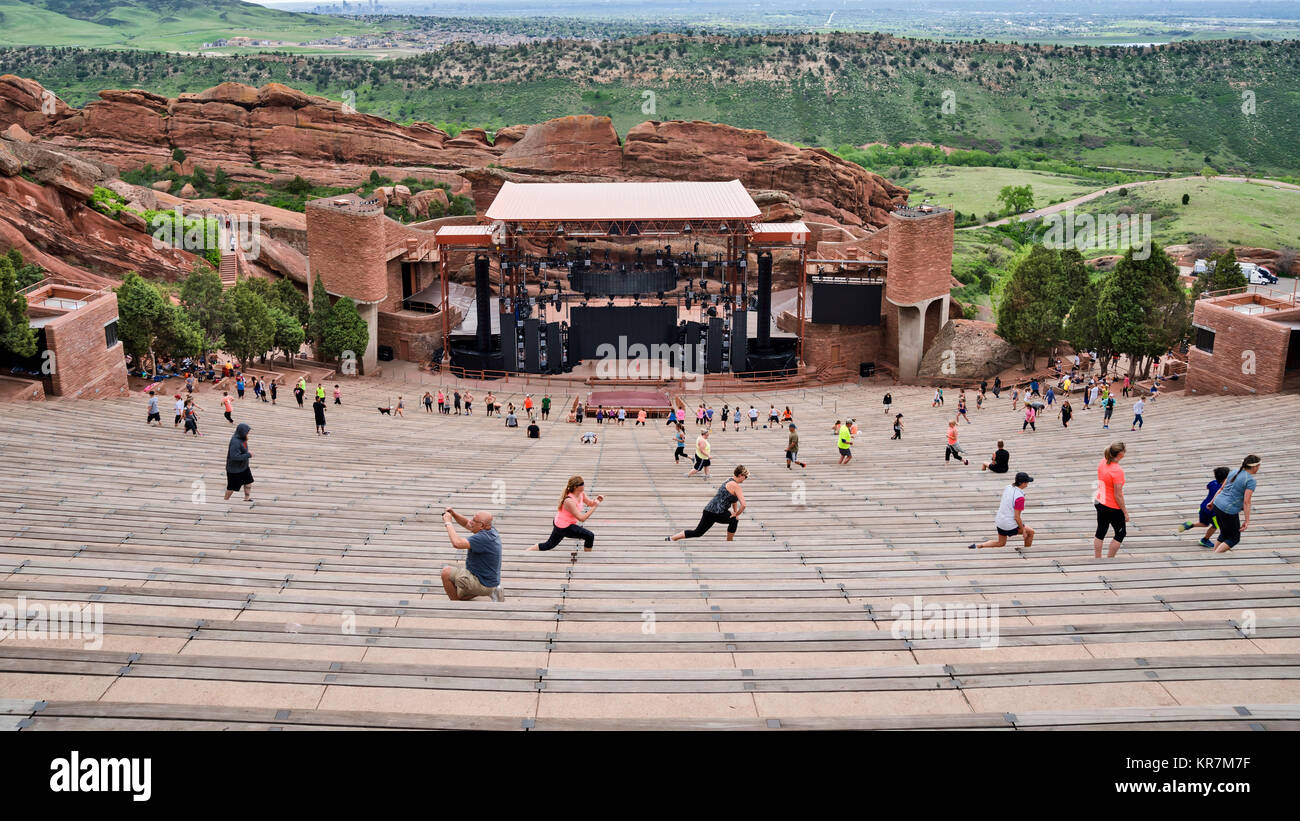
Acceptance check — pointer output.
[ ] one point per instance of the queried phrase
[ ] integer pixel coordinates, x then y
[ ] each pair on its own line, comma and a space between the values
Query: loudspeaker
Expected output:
554, 354
509, 343
385, 353
764, 301
739, 339
532, 339
482, 303
867, 369
713, 354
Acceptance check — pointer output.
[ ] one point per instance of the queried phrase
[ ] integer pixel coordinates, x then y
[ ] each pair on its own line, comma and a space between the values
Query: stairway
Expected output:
229, 269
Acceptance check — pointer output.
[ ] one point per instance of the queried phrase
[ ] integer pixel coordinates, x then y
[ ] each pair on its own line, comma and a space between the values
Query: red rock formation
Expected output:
234, 125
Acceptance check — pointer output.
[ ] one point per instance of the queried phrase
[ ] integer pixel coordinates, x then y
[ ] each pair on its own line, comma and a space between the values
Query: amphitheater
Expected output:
319, 604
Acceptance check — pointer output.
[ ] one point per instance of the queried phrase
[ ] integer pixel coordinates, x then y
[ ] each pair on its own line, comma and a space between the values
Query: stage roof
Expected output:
596, 201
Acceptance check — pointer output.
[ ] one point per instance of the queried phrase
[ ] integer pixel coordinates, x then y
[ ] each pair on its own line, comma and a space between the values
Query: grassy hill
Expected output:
975, 190
156, 24
1177, 107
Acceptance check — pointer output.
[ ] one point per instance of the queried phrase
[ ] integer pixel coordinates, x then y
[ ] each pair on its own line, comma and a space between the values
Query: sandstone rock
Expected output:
583, 143
132, 220
60, 169
469, 138
189, 192
78, 243
162, 185
381, 194
509, 135
421, 202
401, 195
18, 134
9, 164
977, 352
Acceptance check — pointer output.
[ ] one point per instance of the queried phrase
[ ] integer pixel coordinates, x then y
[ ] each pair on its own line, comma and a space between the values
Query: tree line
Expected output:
255, 318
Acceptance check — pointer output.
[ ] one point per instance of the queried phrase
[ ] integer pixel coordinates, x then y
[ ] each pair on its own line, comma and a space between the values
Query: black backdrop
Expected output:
838, 303
645, 324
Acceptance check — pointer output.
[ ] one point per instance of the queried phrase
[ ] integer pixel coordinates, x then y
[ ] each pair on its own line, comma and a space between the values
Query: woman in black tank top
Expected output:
725, 507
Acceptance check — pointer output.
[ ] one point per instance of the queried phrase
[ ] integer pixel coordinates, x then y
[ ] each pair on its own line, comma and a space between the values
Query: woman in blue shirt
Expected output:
1231, 505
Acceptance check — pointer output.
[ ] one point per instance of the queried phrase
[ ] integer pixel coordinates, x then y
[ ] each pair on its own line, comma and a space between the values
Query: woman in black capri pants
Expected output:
725, 507
569, 513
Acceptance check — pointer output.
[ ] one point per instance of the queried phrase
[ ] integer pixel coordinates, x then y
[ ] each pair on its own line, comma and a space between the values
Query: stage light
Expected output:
560, 228
686, 229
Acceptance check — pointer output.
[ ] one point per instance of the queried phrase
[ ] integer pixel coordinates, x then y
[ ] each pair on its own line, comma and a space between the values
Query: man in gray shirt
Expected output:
481, 575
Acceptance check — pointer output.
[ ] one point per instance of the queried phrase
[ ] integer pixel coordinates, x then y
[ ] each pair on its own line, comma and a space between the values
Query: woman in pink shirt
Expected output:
570, 512
1030, 416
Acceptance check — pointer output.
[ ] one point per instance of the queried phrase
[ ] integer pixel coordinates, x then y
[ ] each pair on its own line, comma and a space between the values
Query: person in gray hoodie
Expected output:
238, 474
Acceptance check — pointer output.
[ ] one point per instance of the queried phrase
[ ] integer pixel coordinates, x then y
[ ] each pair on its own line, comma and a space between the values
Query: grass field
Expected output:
181, 24
975, 189
1232, 213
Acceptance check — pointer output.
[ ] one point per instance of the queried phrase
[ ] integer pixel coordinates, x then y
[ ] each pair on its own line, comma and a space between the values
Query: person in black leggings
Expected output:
725, 507
1112, 512
569, 513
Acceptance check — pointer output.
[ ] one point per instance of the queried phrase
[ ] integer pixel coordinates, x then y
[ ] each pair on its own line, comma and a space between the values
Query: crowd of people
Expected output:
1224, 513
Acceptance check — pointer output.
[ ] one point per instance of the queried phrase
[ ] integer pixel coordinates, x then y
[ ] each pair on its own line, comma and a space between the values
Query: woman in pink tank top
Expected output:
569, 513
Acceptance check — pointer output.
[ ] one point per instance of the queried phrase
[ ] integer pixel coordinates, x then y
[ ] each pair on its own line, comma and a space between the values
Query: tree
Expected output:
1142, 308
16, 334
1227, 273
1033, 299
26, 274
249, 329
289, 335
1082, 330
345, 330
141, 316
1016, 198
203, 299
320, 312
286, 296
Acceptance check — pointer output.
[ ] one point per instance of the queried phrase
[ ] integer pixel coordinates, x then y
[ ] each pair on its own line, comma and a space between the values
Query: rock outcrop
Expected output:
966, 349
236, 126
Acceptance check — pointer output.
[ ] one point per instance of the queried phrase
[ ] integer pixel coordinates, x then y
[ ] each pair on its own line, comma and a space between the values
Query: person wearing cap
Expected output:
792, 449
1009, 521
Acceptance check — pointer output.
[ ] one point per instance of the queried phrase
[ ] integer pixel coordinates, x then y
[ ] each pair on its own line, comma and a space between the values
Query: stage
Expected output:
655, 403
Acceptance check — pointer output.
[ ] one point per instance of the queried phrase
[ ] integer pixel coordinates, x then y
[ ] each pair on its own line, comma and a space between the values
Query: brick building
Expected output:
79, 353
1245, 343
380, 264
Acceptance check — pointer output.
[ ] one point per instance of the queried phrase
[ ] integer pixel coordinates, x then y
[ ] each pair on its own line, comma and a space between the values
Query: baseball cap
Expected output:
1023, 478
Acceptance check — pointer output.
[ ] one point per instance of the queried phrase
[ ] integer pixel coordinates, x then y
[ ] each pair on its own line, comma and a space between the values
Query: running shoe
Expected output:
1204, 542
1185, 526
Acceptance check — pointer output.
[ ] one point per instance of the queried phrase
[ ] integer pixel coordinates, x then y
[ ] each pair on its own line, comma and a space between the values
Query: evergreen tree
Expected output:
1031, 309
141, 316
203, 300
289, 334
345, 330
249, 329
1142, 308
286, 296
1227, 273
16, 335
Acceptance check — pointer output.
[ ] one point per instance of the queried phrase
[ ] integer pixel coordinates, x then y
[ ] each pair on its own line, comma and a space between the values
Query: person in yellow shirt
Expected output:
702, 454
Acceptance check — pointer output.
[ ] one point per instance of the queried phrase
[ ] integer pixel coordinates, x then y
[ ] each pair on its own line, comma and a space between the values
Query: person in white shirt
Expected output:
1138, 407
180, 410
1008, 520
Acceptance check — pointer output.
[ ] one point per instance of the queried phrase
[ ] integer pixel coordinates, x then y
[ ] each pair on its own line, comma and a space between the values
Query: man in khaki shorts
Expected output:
481, 573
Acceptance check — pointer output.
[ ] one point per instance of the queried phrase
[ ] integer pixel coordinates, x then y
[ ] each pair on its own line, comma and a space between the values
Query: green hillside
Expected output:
156, 24
1232, 105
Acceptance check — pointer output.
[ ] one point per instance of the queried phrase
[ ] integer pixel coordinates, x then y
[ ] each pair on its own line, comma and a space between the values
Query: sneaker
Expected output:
1185, 526
970, 547
1204, 542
